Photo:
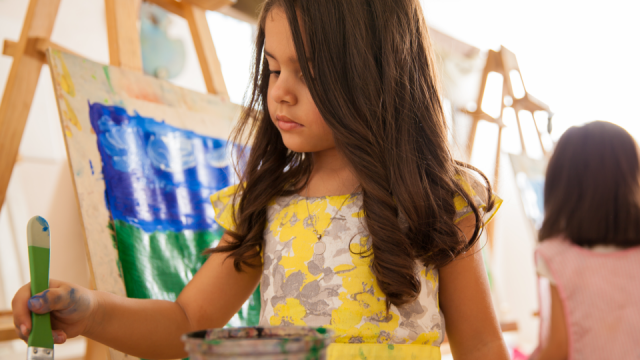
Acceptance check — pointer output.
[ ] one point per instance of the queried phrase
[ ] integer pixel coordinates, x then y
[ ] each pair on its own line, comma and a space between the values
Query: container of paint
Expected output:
259, 343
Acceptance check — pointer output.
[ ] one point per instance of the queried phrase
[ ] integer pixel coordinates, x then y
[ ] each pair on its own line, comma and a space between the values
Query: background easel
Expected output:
504, 62
124, 52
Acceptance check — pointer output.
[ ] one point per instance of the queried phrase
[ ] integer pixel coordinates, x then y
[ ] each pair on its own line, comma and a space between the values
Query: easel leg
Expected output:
95, 351
21, 85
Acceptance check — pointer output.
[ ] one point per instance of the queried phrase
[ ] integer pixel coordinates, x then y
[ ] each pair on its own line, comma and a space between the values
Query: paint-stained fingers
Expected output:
59, 336
55, 298
21, 313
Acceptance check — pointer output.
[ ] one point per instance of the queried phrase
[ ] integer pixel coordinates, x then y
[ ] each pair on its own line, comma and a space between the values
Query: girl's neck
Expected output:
332, 175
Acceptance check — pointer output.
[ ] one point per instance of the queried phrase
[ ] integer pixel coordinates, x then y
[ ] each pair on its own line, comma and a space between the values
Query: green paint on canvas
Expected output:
106, 73
159, 265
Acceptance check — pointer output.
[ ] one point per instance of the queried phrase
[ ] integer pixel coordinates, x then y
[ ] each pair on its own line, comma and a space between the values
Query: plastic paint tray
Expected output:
259, 343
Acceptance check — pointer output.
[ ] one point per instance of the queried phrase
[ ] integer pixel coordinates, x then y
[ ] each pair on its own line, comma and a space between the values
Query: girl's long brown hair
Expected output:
375, 85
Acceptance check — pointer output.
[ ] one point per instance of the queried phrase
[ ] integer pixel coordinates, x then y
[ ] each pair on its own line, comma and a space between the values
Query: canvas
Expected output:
530, 174
145, 156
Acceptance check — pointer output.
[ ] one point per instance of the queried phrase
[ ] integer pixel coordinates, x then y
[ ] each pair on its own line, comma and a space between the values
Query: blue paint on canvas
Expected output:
159, 177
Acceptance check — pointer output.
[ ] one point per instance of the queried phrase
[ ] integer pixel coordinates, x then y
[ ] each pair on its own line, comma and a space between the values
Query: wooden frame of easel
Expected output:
124, 51
503, 62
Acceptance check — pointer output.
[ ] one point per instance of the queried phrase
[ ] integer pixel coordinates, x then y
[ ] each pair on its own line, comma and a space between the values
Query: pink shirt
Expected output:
600, 295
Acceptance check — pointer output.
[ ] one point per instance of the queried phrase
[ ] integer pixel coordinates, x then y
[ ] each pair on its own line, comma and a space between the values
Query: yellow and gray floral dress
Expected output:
337, 289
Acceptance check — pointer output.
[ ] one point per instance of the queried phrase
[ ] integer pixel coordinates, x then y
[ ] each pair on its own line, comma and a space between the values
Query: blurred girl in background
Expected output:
590, 247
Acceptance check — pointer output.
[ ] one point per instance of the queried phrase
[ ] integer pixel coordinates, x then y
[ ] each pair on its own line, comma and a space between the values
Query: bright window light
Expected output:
508, 100
492, 97
234, 42
484, 148
510, 134
529, 132
516, 84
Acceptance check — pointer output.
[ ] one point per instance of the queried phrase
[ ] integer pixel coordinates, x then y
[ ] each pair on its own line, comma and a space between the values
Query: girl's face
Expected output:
290, 104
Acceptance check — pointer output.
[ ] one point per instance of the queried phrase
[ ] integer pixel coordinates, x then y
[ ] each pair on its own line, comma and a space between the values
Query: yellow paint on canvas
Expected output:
70, 115
65, 78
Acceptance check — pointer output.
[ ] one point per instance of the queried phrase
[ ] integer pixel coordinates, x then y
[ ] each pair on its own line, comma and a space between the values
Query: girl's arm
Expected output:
145, 328
556, 347
465, 300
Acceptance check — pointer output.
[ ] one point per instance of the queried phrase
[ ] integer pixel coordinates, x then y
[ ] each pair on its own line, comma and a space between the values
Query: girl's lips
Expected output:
286, 124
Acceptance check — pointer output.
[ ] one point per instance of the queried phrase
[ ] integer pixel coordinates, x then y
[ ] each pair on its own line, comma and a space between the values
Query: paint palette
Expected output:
259, 343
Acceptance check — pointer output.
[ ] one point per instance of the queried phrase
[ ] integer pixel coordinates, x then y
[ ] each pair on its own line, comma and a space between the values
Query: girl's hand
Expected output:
71, 308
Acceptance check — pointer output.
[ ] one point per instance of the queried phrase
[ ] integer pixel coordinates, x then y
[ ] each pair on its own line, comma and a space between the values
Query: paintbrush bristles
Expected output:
38, 232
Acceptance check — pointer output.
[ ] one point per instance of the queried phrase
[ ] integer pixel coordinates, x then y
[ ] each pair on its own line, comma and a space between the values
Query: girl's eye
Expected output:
277, 72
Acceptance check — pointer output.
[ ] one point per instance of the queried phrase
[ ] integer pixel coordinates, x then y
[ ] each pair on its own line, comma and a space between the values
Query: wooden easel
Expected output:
503, 62
124, 51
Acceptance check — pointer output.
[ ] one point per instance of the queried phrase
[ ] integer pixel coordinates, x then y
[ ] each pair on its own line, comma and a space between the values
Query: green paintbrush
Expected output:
40, 339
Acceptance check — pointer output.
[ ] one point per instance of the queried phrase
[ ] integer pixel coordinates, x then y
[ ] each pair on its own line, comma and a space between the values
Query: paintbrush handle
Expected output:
39, 258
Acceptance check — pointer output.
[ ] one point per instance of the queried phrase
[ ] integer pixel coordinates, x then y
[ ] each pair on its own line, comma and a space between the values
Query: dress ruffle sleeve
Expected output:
477, 192
224, 207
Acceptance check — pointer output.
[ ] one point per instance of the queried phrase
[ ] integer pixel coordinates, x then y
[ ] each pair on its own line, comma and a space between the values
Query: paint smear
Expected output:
158, 265
106, 74
65, 78
91, 166
70, 115
43, 223
136, 92
159, 177
67, 130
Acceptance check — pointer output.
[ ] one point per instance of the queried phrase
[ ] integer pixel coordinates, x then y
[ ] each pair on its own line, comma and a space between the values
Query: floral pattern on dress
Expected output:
336, 289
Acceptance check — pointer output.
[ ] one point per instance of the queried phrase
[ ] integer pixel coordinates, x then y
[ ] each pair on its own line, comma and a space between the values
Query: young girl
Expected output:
351, 212
590, 246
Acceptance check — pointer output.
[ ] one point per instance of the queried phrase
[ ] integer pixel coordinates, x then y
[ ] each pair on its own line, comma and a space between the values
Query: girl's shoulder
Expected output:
478, 193
555, 246
224, 203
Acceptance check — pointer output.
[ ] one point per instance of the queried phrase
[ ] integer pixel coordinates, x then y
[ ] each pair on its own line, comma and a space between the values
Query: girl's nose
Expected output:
282, 91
